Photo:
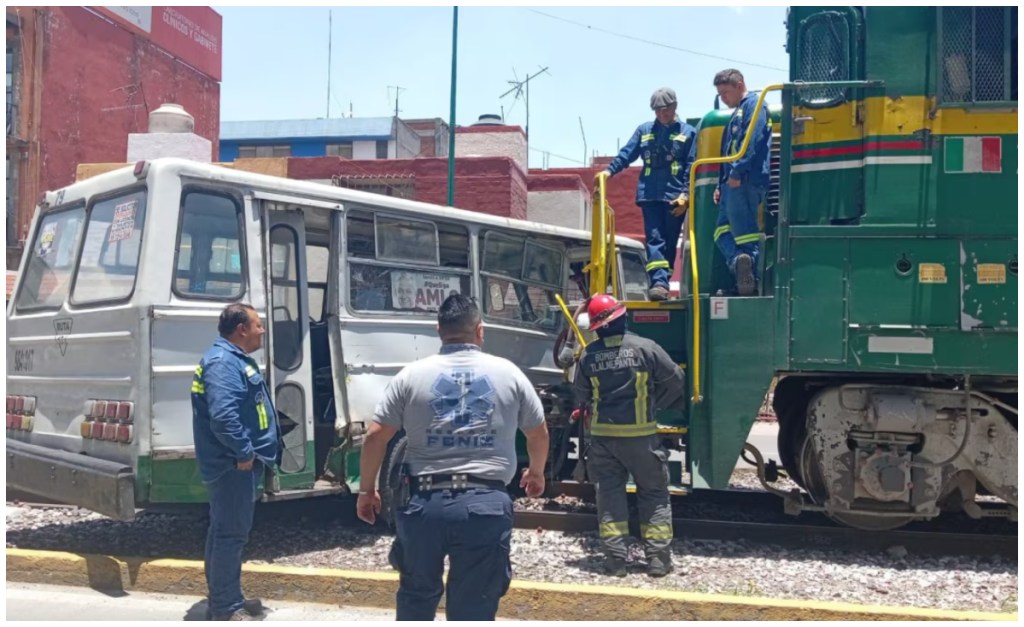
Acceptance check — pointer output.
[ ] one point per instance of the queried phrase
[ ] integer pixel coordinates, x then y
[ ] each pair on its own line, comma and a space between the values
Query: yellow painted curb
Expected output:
525, 599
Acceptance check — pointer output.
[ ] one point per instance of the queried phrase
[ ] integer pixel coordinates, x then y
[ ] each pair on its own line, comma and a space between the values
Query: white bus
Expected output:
126, 273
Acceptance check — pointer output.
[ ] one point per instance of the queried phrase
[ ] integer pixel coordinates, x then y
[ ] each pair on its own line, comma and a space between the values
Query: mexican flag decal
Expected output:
974, 154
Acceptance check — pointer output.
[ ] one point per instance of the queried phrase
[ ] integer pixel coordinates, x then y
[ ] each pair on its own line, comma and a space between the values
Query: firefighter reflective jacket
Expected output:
625, 378
665, 151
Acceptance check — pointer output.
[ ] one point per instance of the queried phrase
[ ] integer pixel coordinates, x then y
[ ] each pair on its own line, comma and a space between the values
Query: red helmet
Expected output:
603, 309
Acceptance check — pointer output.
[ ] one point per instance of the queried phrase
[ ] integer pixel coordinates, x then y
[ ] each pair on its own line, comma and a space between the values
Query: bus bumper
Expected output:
102, 486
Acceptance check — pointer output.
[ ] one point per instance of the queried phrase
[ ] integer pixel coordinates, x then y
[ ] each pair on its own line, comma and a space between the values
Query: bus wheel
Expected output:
393, 492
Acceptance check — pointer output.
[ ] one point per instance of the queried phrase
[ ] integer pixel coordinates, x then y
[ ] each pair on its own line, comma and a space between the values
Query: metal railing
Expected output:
604, 266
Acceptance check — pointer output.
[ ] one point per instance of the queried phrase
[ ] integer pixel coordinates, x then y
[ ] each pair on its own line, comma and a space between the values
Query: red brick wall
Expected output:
621, 196
493, 185
85, 85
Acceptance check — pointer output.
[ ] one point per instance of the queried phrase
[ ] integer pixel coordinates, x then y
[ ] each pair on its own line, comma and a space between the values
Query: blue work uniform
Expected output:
233, 420
666, 152
737, 230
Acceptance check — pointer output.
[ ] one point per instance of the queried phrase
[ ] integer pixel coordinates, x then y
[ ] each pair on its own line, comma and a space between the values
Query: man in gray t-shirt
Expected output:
460, 411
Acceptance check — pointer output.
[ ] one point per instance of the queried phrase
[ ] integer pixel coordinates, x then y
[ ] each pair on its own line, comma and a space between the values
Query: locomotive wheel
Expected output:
814, 483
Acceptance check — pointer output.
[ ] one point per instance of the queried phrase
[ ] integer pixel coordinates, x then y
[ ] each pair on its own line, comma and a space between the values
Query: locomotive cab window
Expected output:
978, 51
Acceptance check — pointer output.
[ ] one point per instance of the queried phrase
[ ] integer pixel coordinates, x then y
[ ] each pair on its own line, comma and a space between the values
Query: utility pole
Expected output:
329, 34
451, 116
397, 89
584, 142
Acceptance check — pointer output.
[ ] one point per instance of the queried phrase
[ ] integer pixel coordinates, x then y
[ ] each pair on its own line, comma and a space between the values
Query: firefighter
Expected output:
664, 145
624, 378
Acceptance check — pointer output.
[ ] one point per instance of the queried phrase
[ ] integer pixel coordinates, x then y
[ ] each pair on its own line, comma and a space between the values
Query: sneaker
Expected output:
658, 292
615, 566
238, 615
252, 606
745, 283
658, 567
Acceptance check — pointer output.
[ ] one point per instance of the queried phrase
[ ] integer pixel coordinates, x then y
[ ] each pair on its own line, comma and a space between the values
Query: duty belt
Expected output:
461, 481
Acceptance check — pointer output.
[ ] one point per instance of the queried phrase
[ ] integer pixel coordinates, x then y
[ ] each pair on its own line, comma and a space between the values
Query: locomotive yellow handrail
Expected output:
572, 323
694, 284
602, 241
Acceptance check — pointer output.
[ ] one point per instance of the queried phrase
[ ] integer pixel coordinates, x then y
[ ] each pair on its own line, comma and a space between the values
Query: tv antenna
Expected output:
521, 89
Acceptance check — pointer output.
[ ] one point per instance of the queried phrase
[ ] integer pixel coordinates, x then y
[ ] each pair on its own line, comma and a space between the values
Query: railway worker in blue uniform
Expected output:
624, 378
460, 410
742, 184
664, 144
234, 426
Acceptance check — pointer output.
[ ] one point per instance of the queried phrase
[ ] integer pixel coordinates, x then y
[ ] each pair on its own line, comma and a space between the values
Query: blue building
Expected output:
349, 138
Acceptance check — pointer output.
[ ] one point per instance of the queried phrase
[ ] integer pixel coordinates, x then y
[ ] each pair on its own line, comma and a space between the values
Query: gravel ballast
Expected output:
295, 534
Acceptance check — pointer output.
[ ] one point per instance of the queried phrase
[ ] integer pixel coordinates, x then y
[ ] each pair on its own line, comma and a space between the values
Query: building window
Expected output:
11, 107
343, 150
397, 186
382, 149
250, 152
979, 54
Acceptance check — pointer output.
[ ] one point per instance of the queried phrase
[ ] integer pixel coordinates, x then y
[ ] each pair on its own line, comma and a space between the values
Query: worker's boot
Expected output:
745, 282
659, 565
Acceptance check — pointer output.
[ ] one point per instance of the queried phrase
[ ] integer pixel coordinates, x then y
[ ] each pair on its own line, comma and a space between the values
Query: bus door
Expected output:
291, 371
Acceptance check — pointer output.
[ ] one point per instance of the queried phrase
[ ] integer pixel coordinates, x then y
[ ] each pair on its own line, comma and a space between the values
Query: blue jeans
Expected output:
232, 504
661, 232
736, 230
474, 529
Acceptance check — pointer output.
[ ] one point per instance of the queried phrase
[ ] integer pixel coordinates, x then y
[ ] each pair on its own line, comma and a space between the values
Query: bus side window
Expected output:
404, 265
520, 278
209, 258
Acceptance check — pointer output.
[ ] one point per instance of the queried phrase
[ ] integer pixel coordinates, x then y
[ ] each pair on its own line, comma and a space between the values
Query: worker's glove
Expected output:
679, 205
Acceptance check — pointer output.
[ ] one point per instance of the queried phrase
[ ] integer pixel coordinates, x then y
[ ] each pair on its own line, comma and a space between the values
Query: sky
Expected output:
275, 65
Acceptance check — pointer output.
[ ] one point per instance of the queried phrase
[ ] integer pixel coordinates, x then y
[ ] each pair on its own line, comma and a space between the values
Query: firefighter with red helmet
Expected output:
625, 378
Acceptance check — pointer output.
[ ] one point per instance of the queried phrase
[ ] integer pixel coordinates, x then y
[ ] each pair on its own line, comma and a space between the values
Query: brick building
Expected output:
79, 80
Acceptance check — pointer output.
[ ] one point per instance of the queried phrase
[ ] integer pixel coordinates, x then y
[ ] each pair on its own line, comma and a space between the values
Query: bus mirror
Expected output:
497, 300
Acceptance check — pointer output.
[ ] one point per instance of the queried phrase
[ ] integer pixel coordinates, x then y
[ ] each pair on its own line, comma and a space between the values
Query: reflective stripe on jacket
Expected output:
665, 151
233, 417
624, 379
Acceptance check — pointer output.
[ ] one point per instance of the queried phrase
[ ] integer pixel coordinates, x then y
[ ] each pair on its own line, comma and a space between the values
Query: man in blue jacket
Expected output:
234, 426
664, 145
742, 184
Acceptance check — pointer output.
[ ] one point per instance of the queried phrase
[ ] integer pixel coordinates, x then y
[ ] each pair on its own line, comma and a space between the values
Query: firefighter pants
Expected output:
474, 529
611, 460
661, 234
736, 230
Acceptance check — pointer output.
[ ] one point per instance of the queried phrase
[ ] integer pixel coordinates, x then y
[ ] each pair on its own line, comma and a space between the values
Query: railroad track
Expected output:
825, 536
691, 522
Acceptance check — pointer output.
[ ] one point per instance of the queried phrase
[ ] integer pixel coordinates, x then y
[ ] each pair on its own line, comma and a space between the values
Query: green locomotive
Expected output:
888, 309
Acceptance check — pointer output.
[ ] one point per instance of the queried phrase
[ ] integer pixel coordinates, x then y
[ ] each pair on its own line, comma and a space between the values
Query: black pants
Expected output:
474, 529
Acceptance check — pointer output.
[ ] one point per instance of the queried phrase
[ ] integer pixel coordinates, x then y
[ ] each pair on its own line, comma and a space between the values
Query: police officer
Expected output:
460, 410
742, 184
234, 427
664, 145
625, 378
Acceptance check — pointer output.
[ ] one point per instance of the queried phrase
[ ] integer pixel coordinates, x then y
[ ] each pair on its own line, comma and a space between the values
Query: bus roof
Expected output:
317, 191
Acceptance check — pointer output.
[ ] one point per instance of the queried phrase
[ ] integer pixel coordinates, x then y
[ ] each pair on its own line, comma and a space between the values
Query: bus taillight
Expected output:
109, 420
21, 411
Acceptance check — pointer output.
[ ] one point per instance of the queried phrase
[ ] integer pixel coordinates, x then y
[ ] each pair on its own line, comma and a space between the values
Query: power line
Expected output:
551, 154
656, 43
